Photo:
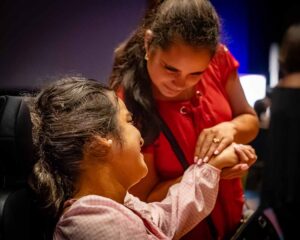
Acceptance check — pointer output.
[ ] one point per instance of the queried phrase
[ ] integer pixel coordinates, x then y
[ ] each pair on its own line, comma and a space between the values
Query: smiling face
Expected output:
130, 167
176, 70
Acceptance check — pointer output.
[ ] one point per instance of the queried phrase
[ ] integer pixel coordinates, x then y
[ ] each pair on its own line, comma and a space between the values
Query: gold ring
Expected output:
216, 140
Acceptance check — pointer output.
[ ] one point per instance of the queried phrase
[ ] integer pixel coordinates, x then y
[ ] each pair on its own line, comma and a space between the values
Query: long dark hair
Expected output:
66, 115
193, 21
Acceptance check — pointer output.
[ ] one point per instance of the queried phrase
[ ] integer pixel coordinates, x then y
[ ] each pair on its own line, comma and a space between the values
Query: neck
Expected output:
100, 182
290, 81
185, 95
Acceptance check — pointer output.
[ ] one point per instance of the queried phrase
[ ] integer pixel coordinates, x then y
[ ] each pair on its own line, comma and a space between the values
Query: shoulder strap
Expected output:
181, 157
175, 146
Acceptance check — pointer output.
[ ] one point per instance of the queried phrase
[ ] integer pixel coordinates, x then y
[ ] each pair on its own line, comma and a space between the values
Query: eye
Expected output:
196, 74
170, 69
130, 120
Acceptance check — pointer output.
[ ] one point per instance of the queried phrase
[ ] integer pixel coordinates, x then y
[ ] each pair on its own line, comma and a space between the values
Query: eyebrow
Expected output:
169, 67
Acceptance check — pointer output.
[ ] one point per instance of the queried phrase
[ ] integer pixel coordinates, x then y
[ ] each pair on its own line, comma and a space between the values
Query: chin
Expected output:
144, 173
145, 165
170, 95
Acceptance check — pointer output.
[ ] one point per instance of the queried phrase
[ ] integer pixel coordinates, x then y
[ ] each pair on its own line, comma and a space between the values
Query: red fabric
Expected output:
208, 107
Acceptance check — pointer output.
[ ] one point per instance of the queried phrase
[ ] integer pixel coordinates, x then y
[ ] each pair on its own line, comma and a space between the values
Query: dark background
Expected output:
43, 39
40, 40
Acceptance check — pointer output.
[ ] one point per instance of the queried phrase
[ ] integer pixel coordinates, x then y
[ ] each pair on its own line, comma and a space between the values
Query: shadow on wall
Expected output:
43, 39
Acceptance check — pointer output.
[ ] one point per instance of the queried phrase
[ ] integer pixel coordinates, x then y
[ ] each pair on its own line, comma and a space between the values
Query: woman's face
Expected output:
176, 69
131, 167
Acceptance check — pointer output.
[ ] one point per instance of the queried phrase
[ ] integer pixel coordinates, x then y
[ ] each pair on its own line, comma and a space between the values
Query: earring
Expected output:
109, 142
146, 57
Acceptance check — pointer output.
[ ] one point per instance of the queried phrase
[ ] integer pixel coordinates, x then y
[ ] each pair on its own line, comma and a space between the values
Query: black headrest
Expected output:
16, 147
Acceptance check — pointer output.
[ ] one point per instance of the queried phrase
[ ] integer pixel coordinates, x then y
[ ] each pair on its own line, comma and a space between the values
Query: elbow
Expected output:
253, 129
255, 126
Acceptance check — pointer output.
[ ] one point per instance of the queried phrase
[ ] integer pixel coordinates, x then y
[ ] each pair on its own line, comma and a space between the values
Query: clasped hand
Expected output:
214, 140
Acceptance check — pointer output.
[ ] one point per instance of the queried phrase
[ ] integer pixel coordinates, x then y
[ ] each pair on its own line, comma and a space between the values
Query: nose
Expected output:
179, 82
141, 142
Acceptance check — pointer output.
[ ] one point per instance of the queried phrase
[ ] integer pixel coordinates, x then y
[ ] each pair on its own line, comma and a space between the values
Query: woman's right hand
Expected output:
247, 157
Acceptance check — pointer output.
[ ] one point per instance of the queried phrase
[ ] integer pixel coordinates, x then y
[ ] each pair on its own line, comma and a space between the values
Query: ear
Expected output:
147, 39
103, 141
98, 147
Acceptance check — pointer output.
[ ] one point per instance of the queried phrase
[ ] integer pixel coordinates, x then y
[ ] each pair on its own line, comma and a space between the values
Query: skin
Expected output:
174, 73
124, 165
290, 81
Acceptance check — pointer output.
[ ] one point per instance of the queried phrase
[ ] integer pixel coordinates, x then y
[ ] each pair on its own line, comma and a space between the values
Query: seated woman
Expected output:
89, 156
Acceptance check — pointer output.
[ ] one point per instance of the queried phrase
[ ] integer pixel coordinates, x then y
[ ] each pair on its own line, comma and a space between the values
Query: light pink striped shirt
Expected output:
188, 202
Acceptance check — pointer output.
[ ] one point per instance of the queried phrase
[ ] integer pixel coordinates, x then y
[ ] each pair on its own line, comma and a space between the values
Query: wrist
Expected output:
234, 128
217, 162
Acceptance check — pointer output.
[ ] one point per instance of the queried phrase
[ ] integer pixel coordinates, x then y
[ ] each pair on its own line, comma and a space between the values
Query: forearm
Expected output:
246, 127
160, 191
192, 199
186, 204
245, 120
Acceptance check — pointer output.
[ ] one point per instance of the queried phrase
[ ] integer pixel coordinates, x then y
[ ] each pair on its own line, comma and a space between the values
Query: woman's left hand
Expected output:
214, 140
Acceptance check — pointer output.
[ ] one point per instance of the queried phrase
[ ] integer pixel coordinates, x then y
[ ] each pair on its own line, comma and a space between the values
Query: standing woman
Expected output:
174, 66
281, 170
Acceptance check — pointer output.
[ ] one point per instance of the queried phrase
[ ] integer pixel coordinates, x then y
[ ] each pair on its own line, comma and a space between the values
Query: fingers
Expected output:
210, 147
215, 149
237, 171
224, 143
247, 157
207, 149
252, 155
213, 140
209, 144
241, 153
200, 149
245, 153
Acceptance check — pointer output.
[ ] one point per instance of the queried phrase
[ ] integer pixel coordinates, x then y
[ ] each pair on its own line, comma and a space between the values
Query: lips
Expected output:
175, 89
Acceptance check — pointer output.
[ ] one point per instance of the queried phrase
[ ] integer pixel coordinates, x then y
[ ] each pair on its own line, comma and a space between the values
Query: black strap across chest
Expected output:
184, 163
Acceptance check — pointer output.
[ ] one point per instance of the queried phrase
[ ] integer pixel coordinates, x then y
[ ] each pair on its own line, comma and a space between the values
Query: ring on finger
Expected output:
216, 140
